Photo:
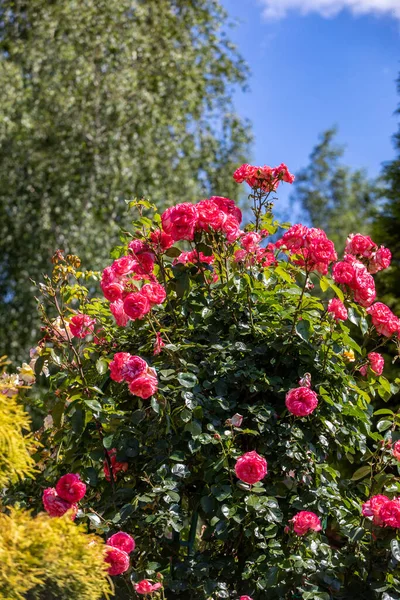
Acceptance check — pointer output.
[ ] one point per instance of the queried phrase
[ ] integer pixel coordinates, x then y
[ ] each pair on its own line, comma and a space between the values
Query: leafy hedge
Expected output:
242, 324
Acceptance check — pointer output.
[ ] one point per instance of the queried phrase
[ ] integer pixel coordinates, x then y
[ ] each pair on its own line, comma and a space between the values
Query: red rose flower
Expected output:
70, 487
117, 559
251, 467
228, 207
120, 316
305, 521
384, 321
154, 292
136, 305
125, 367
122, 541
144, 385
179, 221
146, 587
389, 513
337, 309
301, 401
56, 506
81, 325
372, 507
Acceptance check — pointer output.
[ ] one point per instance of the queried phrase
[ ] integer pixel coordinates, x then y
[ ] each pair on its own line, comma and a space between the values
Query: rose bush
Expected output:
222, 413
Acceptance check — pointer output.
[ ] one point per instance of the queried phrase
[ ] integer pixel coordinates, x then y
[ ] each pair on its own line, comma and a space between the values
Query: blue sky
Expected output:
310, 72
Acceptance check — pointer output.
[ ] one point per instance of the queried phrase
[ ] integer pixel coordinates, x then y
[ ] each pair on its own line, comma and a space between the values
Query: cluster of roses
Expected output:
141, 379
384, 512
252, 253
265, 178
65, 496
362, 258
119, 284
251, 468
308, 247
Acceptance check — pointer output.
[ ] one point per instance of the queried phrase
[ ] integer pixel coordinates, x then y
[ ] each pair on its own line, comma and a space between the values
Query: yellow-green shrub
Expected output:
52, 554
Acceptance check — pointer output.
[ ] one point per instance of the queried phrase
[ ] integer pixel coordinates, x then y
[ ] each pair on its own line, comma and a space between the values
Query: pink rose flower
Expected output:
209, 215
117, 559
81, 325
161, 241
245, 598
112, 291
305, 521
282, 173
251, 467
389, 513
231, 228
146, 587
144, 264
136, 305
70, 488
343, 272
396, 450
337, 309
144, 385
122, 541
120, 316
372, 507
235, 421
376, 363
293, 238
56, 506
379, 260
384, 321
359, 245
116, 466
250, 241
301, 401
193, 257
125, 367
179, 221
138, 247
228, 207
122, 266
363, 285
154, 292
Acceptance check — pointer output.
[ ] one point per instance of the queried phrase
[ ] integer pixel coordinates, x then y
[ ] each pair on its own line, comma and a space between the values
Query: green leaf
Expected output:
94, 405
395, 548
188, 380
283, 275
221, 492
303, 330
383, 425
361, 473
324, 284
101, 366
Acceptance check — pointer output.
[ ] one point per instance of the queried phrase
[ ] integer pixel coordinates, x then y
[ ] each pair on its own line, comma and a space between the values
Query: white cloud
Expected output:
277, 9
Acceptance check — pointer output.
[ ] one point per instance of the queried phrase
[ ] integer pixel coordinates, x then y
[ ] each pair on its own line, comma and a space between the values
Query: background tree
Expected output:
387, 225
103, 101
335, 198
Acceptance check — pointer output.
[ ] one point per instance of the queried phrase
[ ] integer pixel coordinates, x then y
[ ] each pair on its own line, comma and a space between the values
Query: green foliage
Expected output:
387, 224
104, 101
15, 447
52, 556
236, 345
336, 199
